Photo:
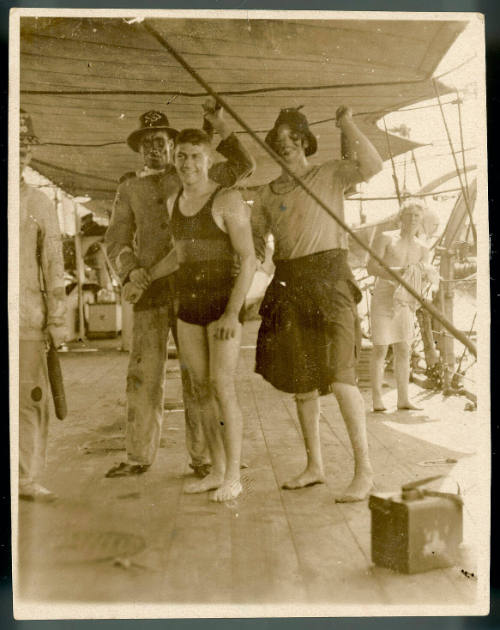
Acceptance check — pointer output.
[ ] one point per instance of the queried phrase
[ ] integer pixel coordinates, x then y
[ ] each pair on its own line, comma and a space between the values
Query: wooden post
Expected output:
80, 275
425, 324
446, 298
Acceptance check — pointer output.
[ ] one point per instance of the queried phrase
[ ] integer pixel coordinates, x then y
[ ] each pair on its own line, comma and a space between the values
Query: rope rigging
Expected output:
264, 90
434, 312
457, 168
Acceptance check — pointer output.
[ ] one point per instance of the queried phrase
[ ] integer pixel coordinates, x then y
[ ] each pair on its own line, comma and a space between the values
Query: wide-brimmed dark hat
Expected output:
296, 121
152, 120
26, 131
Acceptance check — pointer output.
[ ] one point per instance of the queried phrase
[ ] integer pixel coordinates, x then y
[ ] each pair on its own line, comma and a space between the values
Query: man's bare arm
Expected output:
239, 162
358, 146
237, 221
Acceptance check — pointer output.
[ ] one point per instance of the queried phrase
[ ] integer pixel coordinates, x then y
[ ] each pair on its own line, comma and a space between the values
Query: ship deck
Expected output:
144, 541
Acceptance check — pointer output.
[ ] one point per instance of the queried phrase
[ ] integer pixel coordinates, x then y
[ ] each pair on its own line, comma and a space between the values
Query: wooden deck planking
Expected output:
270, 545
265, 564
389, 446
449, 584
238, 552
128, 505
331, 561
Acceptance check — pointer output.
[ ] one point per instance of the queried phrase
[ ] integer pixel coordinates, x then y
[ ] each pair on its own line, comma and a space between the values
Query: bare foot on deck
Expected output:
409, 407
358, 490
227, 491
378, 405
210, 482
305, 479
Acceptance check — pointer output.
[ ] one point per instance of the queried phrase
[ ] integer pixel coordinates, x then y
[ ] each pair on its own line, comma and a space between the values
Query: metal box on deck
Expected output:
414, 530
104, 320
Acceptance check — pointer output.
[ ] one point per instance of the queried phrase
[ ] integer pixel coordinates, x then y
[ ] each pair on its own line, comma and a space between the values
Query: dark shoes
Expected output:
125, 469
31, 491
200, 470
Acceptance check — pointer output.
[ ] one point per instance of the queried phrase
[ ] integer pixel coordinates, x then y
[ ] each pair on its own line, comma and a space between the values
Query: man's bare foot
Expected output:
358, 490
409, 407
227, 491
378, 405
210, 482
305, 479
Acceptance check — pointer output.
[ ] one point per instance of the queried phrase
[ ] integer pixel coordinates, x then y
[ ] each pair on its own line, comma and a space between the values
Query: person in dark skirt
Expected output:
309, 337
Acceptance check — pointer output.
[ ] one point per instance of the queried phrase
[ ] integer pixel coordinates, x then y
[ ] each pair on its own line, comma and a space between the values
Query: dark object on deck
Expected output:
93, 546
56, 383
416, 530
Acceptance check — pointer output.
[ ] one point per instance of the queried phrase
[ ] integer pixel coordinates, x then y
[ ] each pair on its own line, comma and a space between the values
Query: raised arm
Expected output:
358, 147
236, 217
239, 163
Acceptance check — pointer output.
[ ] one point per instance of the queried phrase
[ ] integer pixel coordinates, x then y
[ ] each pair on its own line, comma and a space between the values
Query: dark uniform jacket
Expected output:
139, 233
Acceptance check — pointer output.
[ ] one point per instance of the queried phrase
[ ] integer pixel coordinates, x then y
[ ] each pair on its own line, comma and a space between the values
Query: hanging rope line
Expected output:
268, 90
281, 88
69, 171
460, 127
429, 194
417, 171
463, 353
433, 311
457, 168
385, 110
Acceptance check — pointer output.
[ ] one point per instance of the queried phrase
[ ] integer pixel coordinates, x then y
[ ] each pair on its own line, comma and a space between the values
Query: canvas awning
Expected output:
85, 81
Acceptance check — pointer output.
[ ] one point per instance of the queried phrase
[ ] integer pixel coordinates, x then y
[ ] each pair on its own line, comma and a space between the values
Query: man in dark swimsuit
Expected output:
210, 226
139, 236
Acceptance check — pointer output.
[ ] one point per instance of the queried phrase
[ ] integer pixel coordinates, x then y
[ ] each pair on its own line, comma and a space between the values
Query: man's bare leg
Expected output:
352, 407
377, 376
308, 410
196, 443
194, 354
402, 370
223, 362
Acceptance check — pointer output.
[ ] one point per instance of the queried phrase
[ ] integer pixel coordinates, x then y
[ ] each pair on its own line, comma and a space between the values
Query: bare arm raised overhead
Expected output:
239, 163
358, 148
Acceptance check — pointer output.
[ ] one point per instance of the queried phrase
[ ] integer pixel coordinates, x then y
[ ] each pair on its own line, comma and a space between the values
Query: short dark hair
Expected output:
193, 136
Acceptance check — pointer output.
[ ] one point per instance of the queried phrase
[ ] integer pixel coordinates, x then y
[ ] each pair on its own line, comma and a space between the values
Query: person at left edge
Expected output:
41, 318
139, 236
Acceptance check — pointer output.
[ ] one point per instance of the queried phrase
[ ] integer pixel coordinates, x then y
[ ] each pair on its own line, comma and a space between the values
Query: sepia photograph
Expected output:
249, 314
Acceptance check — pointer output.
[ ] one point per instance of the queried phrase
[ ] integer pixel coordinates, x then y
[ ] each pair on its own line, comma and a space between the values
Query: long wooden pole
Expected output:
434, 312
